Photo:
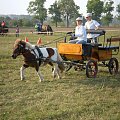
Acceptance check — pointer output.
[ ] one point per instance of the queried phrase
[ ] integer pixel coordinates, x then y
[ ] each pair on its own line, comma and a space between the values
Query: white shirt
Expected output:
80, 33
93, 24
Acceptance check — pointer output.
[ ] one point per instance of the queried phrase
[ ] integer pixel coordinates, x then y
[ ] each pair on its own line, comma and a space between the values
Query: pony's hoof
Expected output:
23, 78
41, 80
54, 76
59, 77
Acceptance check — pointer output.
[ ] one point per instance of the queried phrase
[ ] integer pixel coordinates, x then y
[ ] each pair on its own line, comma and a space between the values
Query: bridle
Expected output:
21, 49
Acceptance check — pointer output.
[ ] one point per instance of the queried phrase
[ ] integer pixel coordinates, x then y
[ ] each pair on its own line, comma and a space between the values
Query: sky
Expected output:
19, 6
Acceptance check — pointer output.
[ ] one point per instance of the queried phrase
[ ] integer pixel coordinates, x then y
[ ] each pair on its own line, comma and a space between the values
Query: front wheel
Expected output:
91, 69
113, 66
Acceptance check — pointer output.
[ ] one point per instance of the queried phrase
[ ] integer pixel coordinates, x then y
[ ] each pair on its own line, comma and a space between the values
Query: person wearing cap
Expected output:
91, 25
80, 32
17, 31
3, 24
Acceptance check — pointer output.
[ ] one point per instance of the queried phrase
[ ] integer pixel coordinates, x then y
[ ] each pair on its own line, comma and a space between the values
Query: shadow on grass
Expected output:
104, 80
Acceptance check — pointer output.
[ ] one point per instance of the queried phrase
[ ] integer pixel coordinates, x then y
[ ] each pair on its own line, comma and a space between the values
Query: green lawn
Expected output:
74, 97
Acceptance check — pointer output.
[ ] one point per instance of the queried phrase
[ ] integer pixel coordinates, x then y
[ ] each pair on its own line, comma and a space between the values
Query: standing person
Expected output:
17, 31
36, 27
40, 25
3, 24
80, 32
91, 25
49, 30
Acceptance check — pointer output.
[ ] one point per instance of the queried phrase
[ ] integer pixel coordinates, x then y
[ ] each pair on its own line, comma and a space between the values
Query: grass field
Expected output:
74, 97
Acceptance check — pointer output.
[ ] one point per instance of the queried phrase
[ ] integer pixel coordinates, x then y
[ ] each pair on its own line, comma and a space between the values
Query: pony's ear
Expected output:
23, 43
18, 40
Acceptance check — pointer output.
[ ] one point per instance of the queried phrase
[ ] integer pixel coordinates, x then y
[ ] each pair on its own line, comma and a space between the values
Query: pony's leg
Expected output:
22, 74
56, 72
39, 74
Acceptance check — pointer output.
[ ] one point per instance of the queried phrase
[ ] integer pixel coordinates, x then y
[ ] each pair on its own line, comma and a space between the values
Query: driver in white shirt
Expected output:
91, 25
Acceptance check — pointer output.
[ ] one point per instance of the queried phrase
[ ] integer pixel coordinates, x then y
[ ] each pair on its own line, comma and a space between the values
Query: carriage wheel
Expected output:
91, 69
113, 66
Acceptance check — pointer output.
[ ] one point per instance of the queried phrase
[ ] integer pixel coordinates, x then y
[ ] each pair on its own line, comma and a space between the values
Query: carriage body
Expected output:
89, 55
84, 52
70, 51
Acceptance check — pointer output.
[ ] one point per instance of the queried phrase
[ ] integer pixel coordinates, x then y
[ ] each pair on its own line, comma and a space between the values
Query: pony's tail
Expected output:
60, 62
61, 66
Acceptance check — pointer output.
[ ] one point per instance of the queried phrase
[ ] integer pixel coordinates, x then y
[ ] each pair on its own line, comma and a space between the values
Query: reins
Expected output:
54, 41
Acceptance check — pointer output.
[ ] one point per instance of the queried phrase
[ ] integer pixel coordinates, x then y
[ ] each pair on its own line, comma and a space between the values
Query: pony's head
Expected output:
19, 48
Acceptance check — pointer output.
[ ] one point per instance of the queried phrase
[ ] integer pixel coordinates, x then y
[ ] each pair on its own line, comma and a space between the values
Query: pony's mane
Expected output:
16, 42
29, 45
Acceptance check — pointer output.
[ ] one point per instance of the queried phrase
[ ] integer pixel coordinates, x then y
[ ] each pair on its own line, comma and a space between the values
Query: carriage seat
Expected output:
109, 42
108, 48
94, 44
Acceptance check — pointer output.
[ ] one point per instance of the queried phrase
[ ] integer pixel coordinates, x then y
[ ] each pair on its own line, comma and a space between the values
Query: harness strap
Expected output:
39, 51
40, 54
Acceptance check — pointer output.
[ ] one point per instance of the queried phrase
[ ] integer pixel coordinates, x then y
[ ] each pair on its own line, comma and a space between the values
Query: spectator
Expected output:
40, 26
91, 25
36, 27
17, 31
49, 30
3, 24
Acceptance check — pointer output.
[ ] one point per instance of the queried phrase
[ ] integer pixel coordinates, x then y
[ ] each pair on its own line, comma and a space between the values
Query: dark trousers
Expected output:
92, 40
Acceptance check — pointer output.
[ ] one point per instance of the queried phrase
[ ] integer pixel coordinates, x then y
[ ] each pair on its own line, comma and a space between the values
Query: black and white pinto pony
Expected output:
35, 56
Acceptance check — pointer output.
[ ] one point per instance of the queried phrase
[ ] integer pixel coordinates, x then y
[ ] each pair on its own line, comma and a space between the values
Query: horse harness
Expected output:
39, 58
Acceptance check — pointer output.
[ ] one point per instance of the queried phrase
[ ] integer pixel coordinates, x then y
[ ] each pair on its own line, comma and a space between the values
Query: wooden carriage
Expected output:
90, 55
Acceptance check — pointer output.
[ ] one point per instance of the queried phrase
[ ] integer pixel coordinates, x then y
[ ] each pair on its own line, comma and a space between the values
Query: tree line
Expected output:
66, 11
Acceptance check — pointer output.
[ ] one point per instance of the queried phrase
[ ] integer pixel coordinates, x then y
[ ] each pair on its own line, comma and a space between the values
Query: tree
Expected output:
68, 9
118, 10
37, 9
107, 9
27, 22
54, 10
95, 7
20, 22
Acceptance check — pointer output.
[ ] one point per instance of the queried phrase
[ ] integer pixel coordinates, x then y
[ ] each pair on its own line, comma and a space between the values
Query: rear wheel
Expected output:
91, 69
113, 66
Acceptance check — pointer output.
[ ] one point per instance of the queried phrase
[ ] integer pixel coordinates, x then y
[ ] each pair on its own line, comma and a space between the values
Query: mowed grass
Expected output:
74, 97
